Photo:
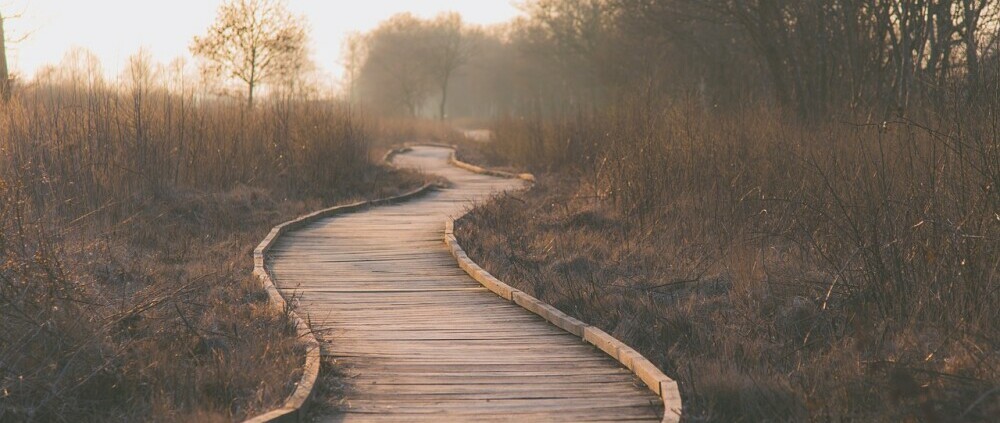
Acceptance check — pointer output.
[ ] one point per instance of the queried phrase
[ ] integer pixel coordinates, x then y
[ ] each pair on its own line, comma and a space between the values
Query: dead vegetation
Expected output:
791, 206
780, 271
127, 220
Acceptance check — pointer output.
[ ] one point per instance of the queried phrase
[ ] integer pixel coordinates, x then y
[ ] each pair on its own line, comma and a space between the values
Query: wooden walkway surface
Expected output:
418, 339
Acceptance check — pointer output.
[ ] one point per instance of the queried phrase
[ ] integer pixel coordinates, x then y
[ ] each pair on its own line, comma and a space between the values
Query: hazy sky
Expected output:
115, 29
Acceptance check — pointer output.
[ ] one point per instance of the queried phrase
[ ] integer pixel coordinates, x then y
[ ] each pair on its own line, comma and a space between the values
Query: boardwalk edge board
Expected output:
294, 407
408, 147
657, 382
454, 161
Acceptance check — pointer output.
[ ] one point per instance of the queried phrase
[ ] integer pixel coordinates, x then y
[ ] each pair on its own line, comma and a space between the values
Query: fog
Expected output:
115, 29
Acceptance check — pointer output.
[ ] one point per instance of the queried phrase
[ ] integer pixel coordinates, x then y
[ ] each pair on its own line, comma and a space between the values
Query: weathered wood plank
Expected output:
418, 339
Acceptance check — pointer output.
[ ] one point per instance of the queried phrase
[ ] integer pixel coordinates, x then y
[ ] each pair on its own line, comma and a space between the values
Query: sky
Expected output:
115, 29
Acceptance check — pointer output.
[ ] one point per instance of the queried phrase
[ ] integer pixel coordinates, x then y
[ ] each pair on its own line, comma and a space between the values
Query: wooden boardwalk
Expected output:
418, 339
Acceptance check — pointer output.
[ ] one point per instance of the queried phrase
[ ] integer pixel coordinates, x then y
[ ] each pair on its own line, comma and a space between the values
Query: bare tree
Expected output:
395, 74
4, 72
140, 77
575, 36
353, 59
81, 69
973, 13
406, 60
451, 50
253, 41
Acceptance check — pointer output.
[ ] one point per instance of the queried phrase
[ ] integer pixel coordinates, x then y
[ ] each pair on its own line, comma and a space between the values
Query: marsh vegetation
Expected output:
791, 206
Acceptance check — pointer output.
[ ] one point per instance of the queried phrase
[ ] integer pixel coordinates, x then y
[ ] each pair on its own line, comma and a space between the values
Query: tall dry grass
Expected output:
128, 214
780, 271
91, 145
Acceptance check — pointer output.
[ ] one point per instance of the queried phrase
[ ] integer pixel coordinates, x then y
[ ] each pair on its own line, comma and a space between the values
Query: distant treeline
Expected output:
809, 56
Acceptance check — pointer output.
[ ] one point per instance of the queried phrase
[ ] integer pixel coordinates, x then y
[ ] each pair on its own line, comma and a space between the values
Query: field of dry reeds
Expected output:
128, 215
843, 270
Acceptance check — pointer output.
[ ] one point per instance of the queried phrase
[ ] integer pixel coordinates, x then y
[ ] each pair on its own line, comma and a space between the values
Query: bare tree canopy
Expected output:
811, 57
353, 58
393, 76
449, 49
254, 42
408, 61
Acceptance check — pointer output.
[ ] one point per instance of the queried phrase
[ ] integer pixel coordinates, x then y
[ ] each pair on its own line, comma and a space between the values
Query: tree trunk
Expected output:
777, 72
250, 87
444, 99
971, 30
4, 72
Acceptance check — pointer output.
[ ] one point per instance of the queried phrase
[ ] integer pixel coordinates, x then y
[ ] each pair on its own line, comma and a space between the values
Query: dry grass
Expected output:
127, 222
780, 271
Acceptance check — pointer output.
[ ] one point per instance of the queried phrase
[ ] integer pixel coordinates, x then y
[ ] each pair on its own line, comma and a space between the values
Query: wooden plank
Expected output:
623, 414
415, 337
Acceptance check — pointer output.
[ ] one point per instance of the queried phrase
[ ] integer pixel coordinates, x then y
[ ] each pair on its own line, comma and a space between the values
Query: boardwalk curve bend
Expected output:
417, 339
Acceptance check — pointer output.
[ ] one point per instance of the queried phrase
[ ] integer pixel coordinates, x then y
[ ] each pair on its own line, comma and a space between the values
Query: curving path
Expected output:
418, 339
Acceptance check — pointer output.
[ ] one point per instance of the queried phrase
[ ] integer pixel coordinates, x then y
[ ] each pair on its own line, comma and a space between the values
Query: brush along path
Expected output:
418, 339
